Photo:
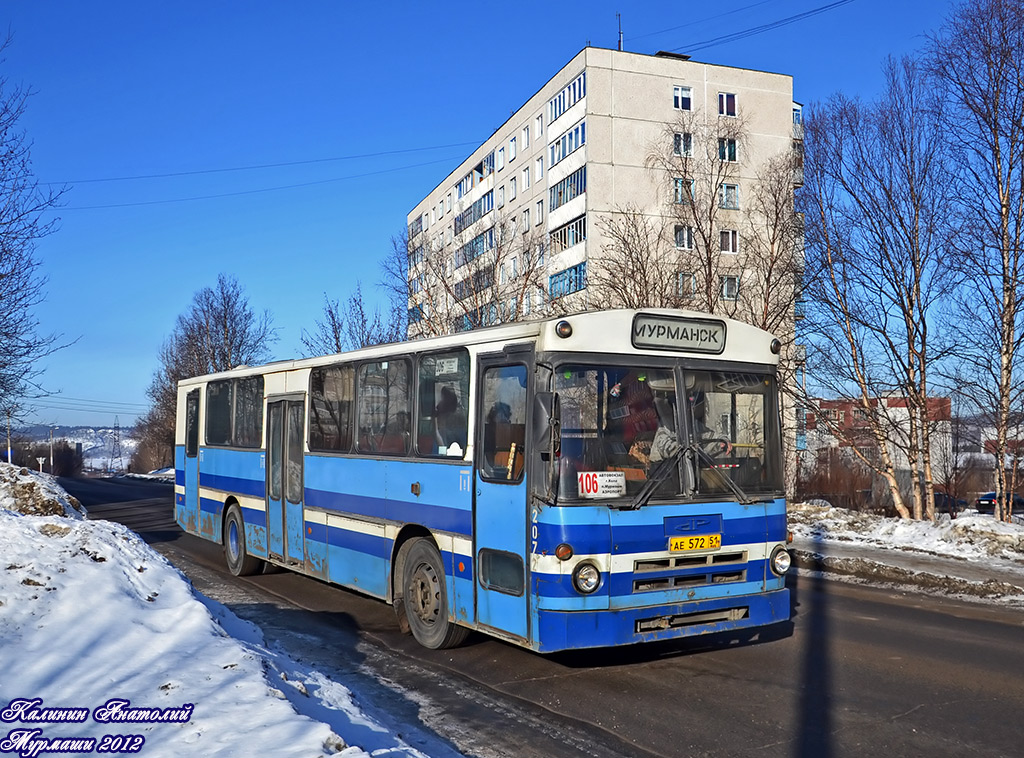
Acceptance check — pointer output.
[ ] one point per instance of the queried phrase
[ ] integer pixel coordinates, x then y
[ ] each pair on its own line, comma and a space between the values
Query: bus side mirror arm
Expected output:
547, 425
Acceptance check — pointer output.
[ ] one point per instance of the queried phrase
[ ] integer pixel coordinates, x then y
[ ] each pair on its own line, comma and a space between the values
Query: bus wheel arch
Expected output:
237, 558
421, 595
399, 551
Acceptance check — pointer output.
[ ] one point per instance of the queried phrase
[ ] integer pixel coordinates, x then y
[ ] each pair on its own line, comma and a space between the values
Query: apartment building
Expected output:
521, 226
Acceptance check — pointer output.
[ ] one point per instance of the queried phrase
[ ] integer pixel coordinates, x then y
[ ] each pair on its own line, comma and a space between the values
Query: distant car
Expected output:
987, 503
946, 503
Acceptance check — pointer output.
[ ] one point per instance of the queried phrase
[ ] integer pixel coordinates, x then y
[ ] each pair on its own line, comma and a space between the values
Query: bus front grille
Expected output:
721, 568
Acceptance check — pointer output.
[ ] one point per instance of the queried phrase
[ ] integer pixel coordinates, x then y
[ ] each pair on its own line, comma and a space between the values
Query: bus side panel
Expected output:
367, 501
186, 491
225, 473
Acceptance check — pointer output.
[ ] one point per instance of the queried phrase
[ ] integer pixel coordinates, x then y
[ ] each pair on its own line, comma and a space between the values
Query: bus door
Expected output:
189, 517
500, 511
285, 437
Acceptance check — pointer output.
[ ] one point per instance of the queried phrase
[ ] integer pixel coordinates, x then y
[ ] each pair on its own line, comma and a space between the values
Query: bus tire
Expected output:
425, 598
239, 562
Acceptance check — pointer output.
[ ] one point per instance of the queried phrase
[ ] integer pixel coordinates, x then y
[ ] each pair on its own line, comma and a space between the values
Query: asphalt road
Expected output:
859, 671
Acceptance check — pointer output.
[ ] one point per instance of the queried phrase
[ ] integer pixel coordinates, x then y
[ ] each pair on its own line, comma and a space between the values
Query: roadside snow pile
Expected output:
971, 536
93, 620
31, 494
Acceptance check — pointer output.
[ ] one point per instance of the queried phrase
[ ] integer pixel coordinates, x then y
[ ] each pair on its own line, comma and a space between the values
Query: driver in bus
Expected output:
703, 434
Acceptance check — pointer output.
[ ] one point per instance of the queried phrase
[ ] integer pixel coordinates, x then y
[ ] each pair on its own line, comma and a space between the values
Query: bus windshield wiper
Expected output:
741, 496
658, 475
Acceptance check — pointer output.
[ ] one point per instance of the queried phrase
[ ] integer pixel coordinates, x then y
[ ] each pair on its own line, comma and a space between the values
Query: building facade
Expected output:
675, 148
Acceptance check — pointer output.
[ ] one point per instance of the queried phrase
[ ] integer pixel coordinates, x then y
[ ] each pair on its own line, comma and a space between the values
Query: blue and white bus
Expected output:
601, 479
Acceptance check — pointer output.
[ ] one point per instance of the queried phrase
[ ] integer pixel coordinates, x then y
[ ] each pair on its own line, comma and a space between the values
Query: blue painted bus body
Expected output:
355, 507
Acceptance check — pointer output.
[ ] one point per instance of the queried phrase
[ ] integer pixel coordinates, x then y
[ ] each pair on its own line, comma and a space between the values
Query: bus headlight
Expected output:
586, 578
781, 560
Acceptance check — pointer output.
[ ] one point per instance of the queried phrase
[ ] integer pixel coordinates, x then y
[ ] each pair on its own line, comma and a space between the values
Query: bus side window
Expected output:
192, 424
443, 392
503, 405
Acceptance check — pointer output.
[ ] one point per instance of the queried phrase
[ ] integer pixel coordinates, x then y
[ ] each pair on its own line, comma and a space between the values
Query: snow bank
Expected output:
971, 536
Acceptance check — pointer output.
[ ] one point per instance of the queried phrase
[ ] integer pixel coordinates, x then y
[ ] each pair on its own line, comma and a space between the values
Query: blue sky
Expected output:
370, 104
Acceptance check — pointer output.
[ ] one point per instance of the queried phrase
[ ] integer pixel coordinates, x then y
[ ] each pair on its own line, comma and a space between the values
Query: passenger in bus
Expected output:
449, 422
633, 416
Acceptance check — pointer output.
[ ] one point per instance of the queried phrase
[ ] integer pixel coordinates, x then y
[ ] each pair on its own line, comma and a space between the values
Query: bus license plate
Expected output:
695, 542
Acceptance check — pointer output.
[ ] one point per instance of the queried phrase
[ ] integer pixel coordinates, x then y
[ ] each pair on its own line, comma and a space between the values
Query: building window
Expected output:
682, 190
726, 104
526, 137
501, 196
682, 144
572, 279
730, 287
727, 149
730, 241
511, 149
684, 237
476, 247
512, 189
538, 124
526, 178
501, 158
448, 202
682, 98
540, 212
686, 285
575, 91
729, 197
572, 140
539, 168
570, 187
526, 221
798, 116
474, 213
569, 234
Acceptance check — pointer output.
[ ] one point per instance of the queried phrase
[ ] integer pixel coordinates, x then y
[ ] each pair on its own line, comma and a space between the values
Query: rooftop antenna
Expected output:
619, 17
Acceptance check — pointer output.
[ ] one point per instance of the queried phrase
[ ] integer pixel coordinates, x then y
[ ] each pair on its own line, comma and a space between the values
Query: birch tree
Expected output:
978, 60
877, 219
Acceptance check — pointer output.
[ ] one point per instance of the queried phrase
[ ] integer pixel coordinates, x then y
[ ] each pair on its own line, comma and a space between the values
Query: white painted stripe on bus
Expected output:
334, 521
314, 517
625, 563
252, 503
462, 546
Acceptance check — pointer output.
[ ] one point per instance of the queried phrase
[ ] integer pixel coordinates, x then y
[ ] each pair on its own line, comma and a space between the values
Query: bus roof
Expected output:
648, 331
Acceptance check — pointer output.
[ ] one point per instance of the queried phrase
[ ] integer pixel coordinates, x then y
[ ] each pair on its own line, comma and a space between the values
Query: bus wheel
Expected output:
426, 598
240, 563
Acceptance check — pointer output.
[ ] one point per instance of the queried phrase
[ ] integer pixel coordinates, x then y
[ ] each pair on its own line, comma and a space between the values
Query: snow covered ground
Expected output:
190, 678
96, 624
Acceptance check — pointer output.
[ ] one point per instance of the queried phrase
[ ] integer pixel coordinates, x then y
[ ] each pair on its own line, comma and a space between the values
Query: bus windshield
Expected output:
620, 422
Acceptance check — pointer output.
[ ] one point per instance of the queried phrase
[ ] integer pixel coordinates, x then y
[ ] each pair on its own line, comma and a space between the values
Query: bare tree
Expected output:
23, 222
490, 273
219, 331
877, 211
638, 267
358, 325
697, 161
978, 60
